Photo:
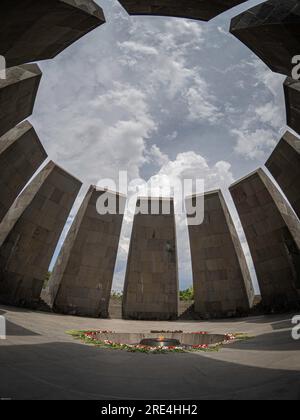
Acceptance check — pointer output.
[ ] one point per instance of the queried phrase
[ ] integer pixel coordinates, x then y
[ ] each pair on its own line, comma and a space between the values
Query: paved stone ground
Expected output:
39, 361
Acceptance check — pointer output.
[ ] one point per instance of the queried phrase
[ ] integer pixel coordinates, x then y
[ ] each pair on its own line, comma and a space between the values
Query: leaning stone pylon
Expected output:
292, 103
272, 31
81, 280
21, 154
17, 95
222, 282
30, 231
284, 165
38, 30
192, 9
273, 234
151, 284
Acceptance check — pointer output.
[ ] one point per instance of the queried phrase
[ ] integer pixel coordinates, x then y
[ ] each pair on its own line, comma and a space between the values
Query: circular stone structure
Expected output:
37, 31
160, 342
159, 339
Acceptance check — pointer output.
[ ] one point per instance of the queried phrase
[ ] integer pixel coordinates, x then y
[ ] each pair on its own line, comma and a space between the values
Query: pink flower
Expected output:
200, 346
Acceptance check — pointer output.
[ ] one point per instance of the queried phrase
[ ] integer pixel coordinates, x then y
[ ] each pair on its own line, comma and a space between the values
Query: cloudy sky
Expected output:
159, 97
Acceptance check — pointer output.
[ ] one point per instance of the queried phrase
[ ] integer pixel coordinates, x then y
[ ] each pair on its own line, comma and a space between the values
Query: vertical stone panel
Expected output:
292, 103
35, 30
17, 95
151, 285
82, 277
273, 234
30, 232
21, 154
193, 9
284, 165
272, 31
222, 282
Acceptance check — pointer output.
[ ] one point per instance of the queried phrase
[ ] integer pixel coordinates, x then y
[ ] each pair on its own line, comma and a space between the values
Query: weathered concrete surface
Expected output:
185, 309
222, 282
151, 284
21, 154
39, 361
272, 31
17, 95
284, 165
273, 234
191, 9
30, 231
292, 103
81, 281
35, 30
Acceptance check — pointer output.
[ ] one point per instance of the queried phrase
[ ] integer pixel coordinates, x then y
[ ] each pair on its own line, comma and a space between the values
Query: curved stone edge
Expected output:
33, 35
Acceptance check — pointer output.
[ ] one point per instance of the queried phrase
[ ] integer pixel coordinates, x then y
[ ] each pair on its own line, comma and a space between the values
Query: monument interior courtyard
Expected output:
71, 326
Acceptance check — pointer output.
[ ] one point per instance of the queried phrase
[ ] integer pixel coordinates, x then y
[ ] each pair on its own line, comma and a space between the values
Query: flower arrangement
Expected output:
166, 332
230, 337
93, 334
91, 337
143, 349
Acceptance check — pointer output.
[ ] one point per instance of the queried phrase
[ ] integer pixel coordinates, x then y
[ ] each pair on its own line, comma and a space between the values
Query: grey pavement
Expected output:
39, 361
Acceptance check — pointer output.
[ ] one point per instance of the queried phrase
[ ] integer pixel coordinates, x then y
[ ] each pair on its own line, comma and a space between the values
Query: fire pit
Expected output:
160, 342
155, 342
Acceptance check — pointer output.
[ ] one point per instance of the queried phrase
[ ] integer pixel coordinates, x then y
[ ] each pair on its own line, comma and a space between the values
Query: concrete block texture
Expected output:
21, 154
292, 103
81, 281
17, 95
151, 284
30, 231
35, 30
273, 234
193, 9
284, 165
222, 282
272, 31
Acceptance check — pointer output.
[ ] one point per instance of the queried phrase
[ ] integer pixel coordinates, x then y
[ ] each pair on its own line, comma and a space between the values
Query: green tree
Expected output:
187, 294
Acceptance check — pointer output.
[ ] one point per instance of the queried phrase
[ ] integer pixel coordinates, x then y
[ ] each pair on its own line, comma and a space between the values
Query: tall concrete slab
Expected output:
35, 30
17, 95
273, 234
222, 281
192, 9
29, 234
21, 154
292, 103
272, 31
151, 284
284, 165
81, 281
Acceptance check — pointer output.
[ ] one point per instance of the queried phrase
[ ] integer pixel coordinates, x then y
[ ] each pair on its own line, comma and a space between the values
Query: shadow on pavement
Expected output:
278, 341
74, 371
16, 330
